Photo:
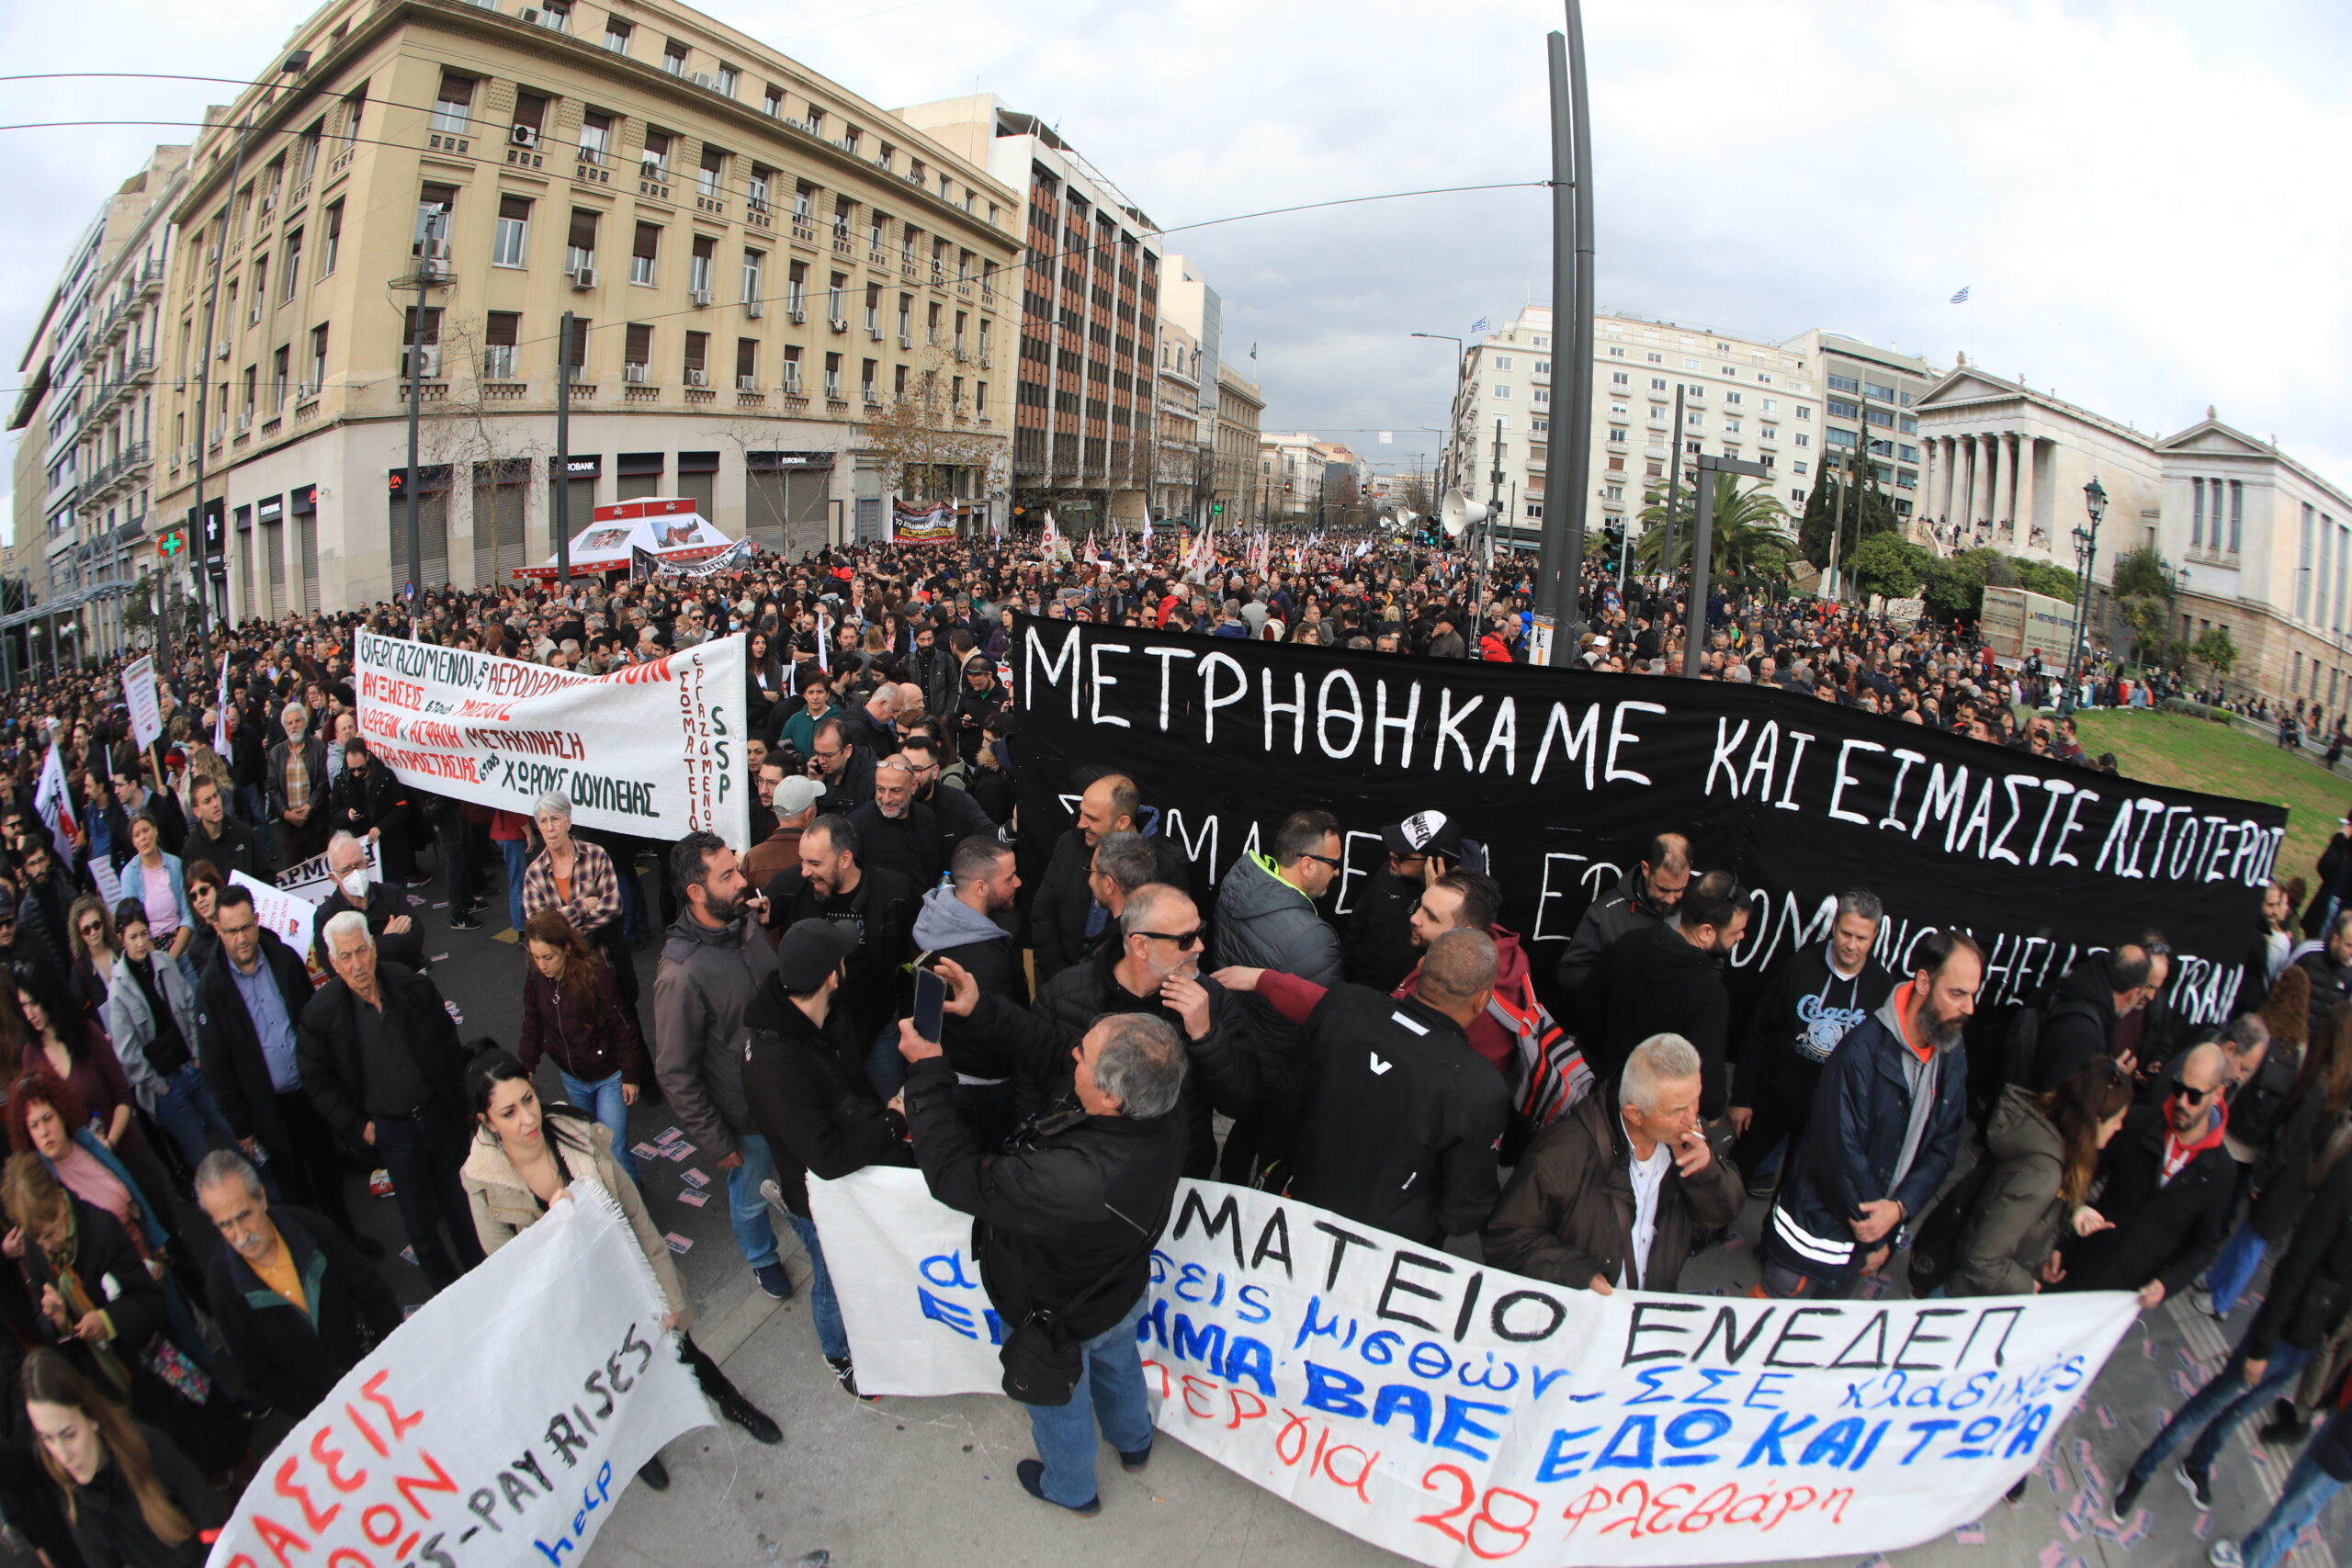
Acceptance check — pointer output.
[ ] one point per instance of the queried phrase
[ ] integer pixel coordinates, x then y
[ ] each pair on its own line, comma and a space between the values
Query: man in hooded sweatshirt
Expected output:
968, 921
1885, 1131
1266, 919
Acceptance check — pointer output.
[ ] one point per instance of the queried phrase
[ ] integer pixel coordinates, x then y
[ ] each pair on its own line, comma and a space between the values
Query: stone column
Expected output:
1948, 448
2025, 513
1993, 496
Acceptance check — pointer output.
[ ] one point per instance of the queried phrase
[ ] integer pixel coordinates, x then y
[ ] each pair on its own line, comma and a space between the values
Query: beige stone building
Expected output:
760, 265
1791, 404
2259, 543
1238, 496
85, 457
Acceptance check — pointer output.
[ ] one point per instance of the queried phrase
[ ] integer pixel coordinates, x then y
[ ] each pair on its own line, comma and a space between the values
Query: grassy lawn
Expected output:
2193, 753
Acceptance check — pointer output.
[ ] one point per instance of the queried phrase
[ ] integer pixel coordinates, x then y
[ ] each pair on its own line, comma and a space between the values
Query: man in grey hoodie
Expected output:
712, 964
1266, 919
961, 922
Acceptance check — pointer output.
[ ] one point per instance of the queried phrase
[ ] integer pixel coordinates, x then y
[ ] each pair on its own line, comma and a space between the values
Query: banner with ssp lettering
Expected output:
1460, 1415
497, 1427
654, 751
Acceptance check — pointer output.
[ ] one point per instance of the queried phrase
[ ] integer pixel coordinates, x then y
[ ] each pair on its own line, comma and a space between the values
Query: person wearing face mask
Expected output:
383, 903
131, 1494
297, 1304
1652, 895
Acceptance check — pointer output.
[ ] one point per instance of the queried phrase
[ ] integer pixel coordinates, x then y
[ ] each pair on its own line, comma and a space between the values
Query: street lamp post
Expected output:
2086, 552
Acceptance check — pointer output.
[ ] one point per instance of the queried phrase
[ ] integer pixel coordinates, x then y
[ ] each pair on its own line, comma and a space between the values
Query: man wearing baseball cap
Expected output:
794, 799
1421, 848
804, 1076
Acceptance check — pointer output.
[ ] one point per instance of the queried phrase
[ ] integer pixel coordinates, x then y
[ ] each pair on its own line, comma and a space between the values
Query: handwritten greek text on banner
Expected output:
653, 751
495, 1428
1460, 1415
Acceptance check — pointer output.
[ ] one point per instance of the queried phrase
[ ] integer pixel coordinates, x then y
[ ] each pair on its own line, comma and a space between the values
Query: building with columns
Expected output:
1238, 490
2259, 543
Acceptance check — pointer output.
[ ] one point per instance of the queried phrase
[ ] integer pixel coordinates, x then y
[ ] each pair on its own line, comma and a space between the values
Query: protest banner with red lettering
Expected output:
1460, 1415
140, 697
654, 751
497, 1427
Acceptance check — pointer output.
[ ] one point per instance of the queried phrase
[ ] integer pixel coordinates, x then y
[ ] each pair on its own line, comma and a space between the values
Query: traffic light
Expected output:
1216, 509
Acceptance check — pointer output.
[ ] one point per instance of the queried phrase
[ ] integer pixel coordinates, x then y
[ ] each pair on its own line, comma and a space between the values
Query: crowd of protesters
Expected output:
189, 1100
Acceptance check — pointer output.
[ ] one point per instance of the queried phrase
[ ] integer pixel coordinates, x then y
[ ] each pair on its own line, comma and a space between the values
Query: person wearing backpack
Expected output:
2043, 1154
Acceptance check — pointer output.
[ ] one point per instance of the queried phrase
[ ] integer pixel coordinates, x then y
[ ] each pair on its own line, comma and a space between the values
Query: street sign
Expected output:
171, 542
215, 521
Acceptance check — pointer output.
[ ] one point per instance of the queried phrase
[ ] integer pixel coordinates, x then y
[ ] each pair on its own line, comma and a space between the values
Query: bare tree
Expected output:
922, 439
470, 424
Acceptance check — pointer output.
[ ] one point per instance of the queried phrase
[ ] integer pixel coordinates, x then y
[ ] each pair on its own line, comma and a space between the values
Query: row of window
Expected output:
1731, 372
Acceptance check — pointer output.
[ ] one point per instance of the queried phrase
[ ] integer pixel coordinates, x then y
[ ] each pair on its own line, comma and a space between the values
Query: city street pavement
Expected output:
912, 1480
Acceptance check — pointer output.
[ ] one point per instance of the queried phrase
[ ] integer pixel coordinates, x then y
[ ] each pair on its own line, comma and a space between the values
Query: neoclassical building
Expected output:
2260, 544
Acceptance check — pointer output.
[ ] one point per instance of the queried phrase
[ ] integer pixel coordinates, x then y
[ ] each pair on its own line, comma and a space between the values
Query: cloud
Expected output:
2140, 194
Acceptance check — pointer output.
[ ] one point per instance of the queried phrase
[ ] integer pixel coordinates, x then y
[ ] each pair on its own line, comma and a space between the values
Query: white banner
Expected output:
1460, 1415
496, 1426
139, 696
654, 751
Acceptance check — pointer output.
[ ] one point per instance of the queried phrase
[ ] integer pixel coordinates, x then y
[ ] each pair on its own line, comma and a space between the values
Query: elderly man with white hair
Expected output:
380, 1060
1610, 1196
383, 903
296, 778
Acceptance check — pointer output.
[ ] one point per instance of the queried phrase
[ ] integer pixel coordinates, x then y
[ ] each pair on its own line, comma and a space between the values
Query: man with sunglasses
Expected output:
2310, 1293
1154, 967
2170, 1184
1266, 919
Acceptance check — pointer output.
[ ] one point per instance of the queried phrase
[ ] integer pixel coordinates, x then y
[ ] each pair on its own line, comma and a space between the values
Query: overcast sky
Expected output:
2146, 198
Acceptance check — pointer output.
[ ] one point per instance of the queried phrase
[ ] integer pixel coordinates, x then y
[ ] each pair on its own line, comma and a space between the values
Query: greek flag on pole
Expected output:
1961, 298
1479, 325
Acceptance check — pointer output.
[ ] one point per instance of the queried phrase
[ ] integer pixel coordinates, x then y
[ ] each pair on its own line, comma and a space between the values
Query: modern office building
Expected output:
763, 272
1084, 401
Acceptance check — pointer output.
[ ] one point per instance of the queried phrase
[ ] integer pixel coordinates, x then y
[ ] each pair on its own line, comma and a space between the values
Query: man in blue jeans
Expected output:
2311, 1291
2320, 1474
1068, 1219
713, 963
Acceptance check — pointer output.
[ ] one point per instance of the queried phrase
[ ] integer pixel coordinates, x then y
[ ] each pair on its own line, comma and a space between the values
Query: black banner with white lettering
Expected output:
1565, 774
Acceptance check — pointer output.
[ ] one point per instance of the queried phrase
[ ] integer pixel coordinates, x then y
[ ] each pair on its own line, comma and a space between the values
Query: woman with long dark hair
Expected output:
90, 931
573, 1011
764, 681
526, 1157
68, 1046
133, 1496
2044, 1150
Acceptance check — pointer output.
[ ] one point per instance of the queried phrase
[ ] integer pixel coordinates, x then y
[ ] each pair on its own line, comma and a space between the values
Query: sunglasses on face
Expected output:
1184, 940
1326, 859
2194, 1096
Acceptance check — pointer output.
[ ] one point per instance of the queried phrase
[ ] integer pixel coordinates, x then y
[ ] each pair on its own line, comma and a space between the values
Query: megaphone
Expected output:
1407, 517
1460, 512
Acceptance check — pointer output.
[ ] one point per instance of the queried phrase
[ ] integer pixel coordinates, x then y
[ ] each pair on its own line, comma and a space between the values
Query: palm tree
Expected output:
1751, 535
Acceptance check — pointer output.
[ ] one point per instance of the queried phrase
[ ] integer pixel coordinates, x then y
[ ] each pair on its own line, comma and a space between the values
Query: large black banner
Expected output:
1565, 774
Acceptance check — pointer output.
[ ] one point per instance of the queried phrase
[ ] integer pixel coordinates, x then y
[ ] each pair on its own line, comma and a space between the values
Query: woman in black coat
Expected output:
134, 1499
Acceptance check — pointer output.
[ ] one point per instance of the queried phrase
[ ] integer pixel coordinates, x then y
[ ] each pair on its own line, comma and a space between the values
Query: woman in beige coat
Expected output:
525, 1157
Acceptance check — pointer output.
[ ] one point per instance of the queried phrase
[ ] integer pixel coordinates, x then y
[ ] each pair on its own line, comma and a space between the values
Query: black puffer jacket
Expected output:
1225, 1068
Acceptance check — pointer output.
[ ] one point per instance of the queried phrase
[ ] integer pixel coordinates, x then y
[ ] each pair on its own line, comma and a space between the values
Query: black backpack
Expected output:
1935, 1246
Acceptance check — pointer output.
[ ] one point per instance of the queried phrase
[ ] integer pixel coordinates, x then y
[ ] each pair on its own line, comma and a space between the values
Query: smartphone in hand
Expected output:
930, 1003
